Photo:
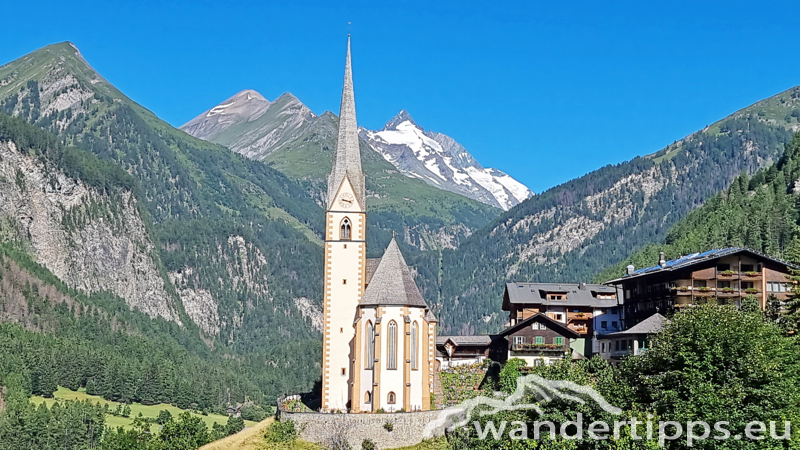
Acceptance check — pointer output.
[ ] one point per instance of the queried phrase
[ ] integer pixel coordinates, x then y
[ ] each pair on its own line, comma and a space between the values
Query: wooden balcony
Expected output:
578, 316
580, 329
751, 276
540, 348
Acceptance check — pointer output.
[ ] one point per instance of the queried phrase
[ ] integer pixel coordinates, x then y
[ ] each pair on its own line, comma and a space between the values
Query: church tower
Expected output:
345, 254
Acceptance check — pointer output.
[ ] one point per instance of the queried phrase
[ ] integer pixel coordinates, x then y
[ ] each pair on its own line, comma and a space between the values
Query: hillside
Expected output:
760, 212
224, 242
289, 137
575, 230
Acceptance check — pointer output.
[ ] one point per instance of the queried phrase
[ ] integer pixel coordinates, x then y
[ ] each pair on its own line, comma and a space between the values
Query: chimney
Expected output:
661, 260
630, 269
582, 285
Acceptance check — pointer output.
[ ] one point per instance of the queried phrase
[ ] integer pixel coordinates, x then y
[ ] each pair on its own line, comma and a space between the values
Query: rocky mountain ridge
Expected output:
442, 162
248, 124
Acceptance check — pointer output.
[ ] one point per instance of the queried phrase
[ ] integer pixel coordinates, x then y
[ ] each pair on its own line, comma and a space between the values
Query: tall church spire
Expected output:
347, 159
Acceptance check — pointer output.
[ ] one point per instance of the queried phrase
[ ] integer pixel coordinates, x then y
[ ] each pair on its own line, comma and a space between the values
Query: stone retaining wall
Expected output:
407, 428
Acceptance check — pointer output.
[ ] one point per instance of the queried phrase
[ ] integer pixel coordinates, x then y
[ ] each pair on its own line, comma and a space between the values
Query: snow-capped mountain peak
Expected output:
442, 162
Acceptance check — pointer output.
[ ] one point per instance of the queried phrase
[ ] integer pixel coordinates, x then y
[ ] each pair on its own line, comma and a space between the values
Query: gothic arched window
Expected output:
391, 398
370, 345
345, 233
367, 397
414, 347
391, 363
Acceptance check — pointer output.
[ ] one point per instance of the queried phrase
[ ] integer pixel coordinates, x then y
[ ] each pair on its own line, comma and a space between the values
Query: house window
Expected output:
723, 284
613, 324
344, 281
747, 285
559, 340
604, 324
519, 340
539, 340
748, 268
723, 267
558, 316
370, 345
392, 362
344, 371
368, 397
699, 283
556, 297
616, 345
414, 345
391, 398
345, 229
603, 347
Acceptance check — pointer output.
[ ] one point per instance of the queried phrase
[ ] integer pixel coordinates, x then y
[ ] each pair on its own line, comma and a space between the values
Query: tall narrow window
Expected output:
391, 398
391, 363
370, 345
367, 397
414, 347
345, 234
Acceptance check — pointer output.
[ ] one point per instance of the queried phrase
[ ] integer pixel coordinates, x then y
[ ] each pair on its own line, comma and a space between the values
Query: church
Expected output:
379, 333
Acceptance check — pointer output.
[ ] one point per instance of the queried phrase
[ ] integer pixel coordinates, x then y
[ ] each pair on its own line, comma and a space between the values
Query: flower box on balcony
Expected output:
683, 288
751, 291
752, 274
727, 273
727, 290
704, 289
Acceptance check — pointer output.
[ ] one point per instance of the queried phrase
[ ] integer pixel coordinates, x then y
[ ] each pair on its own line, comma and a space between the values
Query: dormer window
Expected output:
558, 296
345, 230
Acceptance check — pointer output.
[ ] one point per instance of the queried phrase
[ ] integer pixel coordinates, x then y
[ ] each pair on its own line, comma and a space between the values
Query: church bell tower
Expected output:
345, 254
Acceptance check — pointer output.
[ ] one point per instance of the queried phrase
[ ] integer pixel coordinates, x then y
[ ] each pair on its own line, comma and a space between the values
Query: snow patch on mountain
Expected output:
444, 163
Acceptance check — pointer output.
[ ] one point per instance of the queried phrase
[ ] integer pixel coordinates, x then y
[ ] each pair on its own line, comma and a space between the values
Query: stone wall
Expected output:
407, 428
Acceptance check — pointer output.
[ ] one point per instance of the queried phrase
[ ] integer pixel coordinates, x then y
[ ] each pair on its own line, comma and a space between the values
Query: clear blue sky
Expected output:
545, 91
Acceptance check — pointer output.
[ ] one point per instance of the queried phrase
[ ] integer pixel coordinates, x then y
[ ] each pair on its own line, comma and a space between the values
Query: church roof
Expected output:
392, 283
372, 265
347, 158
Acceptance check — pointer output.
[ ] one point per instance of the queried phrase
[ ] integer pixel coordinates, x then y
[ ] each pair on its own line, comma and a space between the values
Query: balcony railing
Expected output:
578, 316
537, 348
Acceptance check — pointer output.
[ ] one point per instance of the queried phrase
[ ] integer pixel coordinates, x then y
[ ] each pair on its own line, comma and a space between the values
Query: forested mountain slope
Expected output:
575, 230
62, 333
760, 212
286, 135
231, 241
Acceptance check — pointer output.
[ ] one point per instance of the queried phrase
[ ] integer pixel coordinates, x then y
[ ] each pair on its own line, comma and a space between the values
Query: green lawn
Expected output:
136, 408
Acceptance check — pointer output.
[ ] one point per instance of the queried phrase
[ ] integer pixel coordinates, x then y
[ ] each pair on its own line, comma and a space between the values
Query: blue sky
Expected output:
545, 91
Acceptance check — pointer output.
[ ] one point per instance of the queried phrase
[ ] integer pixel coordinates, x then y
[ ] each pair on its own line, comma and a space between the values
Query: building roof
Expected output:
651, 325
392, 283
430, 317
541, 318
464, 340
347, 158
577, 294
697, 258
372, 264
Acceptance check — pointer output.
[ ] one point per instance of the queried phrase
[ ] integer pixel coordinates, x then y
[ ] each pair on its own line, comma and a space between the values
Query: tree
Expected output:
717, 363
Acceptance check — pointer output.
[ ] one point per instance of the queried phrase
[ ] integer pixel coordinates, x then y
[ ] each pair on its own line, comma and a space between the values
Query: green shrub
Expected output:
281, 431
389, 426
367, 444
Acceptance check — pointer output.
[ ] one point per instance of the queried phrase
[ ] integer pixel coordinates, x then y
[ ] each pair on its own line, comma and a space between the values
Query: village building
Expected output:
633, 341
720, 276
590, 310
460, 350
537, 340
379, 334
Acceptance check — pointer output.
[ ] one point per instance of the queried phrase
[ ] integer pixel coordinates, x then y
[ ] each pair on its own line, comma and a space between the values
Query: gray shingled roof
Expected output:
392, 283
464, 340
372, 264
430, 316
651, 325
577, 294
347, 159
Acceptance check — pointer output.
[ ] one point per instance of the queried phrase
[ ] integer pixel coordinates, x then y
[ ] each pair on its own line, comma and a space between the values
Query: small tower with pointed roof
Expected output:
379, 334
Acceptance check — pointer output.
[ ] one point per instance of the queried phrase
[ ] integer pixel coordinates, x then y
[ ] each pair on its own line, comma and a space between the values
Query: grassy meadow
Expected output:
136, 408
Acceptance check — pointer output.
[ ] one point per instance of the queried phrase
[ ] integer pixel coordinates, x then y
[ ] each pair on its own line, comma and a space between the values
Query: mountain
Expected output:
443, 163
286, 135
573, 231
218, 245
760, 212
